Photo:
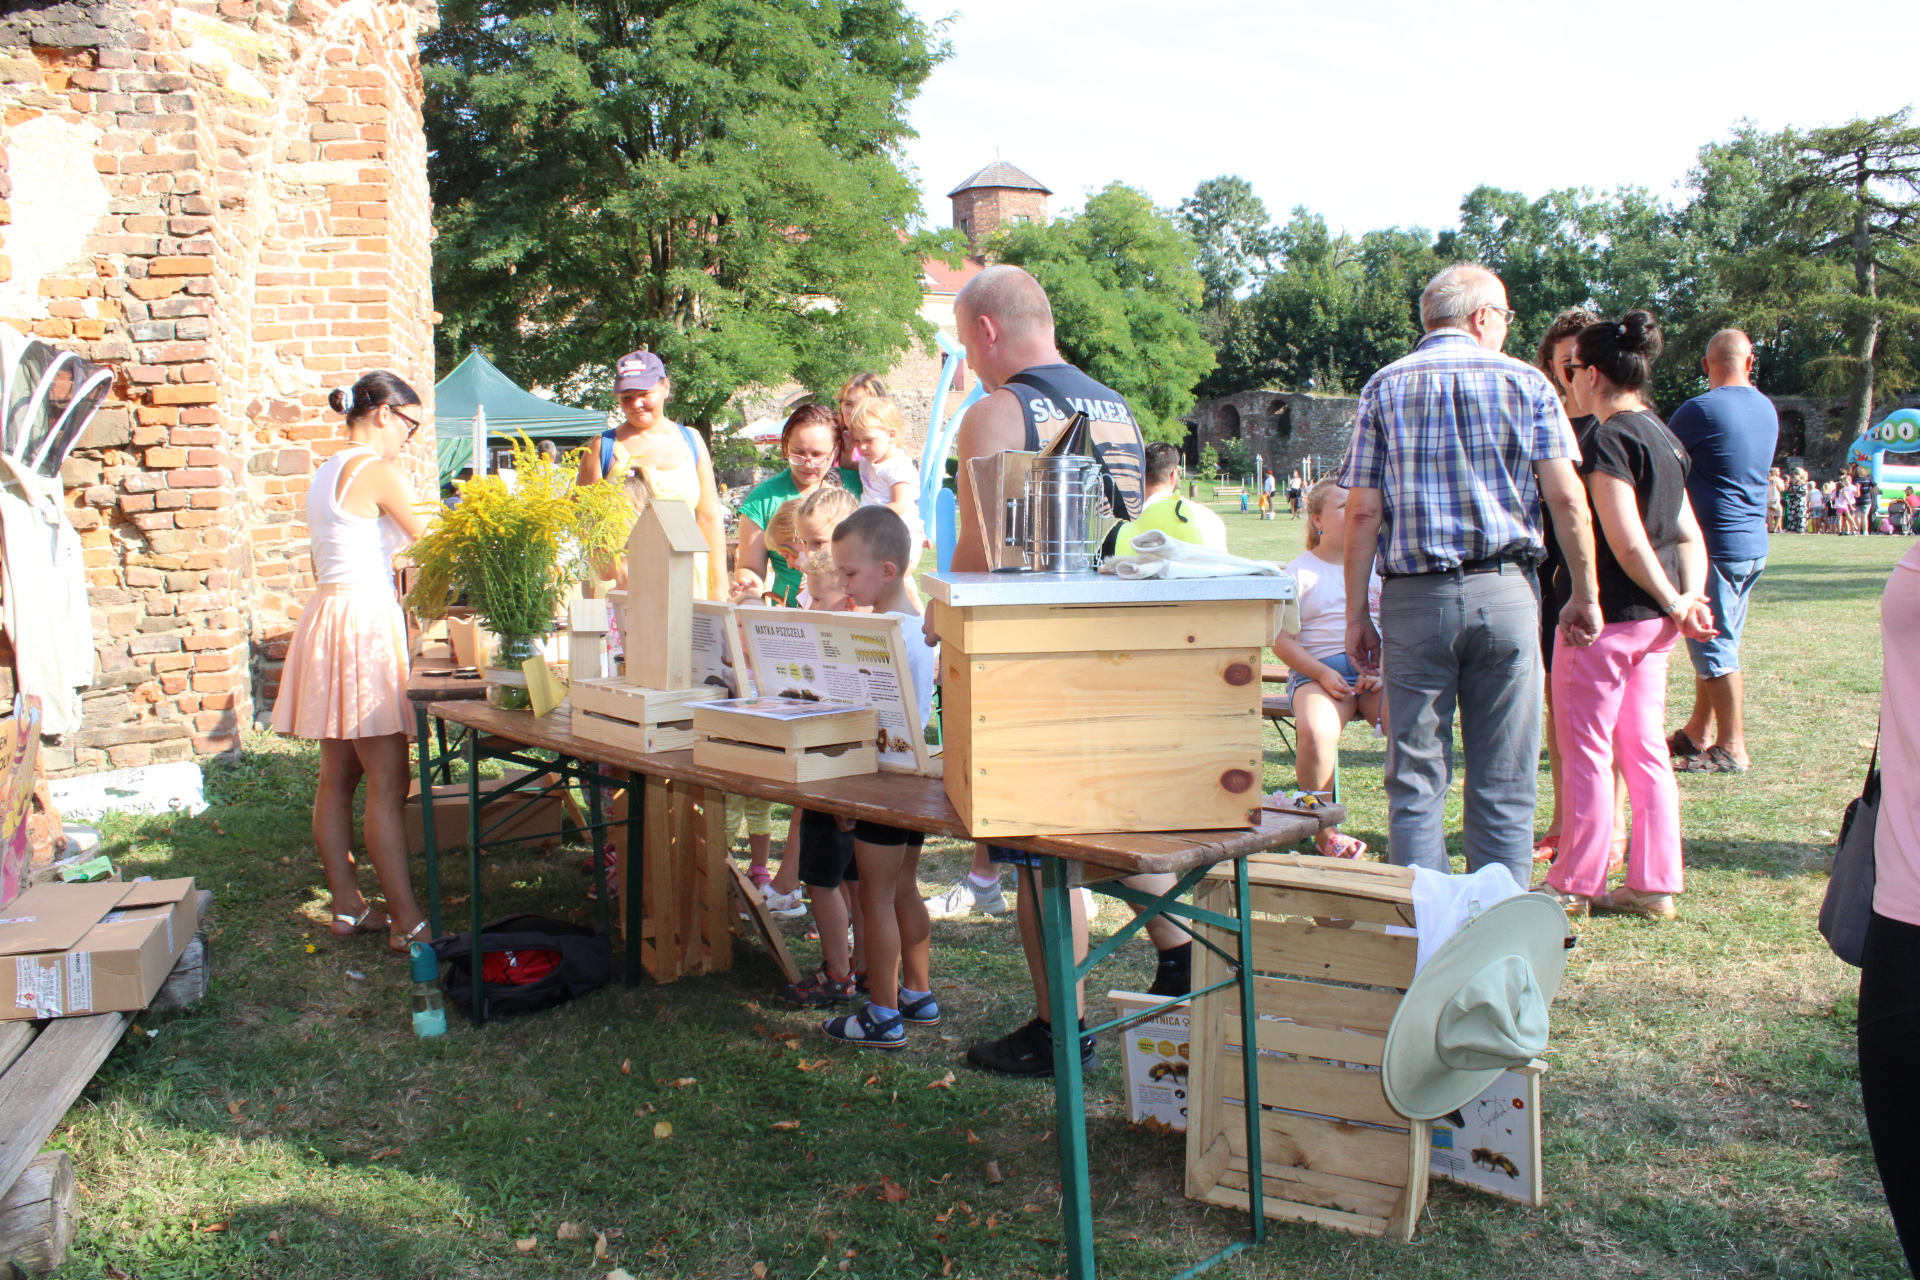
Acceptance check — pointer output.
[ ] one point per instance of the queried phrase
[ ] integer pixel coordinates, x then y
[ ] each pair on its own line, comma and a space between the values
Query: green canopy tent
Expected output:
511, 411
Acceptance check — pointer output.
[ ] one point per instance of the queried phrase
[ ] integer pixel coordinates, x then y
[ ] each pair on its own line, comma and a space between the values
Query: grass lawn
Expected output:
1701, 1116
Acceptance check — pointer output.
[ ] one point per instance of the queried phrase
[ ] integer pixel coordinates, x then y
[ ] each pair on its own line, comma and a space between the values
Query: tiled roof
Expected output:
1001, 174
941, 278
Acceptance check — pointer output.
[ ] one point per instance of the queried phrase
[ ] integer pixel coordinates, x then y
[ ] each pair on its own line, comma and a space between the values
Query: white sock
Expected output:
991, 882
908, 997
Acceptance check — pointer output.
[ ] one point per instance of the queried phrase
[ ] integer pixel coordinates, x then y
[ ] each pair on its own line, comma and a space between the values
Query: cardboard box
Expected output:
540, 824
69, 949
1157, 1058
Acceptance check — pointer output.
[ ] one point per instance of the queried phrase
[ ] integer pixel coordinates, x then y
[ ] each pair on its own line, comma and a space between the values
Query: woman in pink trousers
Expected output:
1609, 700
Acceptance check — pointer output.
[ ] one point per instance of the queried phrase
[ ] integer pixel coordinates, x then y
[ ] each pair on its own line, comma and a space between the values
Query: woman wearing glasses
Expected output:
345, 679
809, 442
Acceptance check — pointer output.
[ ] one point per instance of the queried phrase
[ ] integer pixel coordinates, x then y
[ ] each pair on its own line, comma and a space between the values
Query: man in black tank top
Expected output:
1006, 324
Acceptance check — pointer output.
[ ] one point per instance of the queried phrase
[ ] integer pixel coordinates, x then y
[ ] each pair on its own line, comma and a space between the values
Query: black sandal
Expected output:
1680, 746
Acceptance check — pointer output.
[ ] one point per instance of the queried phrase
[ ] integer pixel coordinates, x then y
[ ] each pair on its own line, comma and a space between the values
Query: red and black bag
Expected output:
530, 962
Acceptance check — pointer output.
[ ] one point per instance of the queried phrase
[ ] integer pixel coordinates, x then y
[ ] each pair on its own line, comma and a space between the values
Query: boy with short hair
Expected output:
872, 548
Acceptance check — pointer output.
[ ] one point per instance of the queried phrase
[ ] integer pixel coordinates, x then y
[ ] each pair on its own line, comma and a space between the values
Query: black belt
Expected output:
1489, 564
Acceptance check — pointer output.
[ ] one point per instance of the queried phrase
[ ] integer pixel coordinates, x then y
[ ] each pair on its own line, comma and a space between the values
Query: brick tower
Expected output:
997, 196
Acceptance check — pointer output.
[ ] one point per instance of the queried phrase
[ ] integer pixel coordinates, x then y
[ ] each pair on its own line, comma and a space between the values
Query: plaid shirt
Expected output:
1449, 435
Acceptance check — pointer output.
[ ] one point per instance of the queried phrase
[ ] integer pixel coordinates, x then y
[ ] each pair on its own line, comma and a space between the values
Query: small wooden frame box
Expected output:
638, 719
811, 748
1065, 718
1330, 977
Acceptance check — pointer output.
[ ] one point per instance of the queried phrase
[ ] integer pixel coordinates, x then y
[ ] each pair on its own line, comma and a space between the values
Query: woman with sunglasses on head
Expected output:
670, 459
345, 679
810, 444
1609, 699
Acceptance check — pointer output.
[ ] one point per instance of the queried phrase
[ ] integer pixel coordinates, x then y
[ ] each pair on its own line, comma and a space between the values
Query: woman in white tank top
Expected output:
345, 679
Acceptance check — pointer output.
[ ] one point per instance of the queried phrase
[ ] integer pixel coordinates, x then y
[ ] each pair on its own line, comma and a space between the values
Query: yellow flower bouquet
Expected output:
511, 549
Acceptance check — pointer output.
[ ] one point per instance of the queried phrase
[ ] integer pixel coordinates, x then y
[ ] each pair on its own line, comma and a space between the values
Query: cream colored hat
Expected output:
1478, 1007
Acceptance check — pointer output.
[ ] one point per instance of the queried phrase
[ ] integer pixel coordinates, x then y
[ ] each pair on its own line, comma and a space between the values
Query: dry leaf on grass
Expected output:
971, 1140
804, 1065
891, 1191
663, 1129
992, 1221
872, 1079
946, 1265
214, 1226
784, 1124
570, 1231
275, 1238
1030, 1208
944, 1082
382, 1155
626, 1066
600, 1253
526, 1246
620, 1273
759, 1271
683, 1082
233, 1108
993, 1173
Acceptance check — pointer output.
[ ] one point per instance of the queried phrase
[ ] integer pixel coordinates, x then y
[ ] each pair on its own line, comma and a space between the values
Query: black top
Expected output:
1636, 447
1050, 394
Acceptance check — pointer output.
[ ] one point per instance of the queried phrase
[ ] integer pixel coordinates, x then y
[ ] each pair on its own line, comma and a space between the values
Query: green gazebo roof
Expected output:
511, 410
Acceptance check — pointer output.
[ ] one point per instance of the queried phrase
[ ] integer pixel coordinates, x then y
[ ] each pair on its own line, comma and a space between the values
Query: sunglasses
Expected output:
1566, 370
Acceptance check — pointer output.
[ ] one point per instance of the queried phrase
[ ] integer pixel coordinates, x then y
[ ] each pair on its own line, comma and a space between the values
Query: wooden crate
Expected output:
1060, 719
639, 719
811, 749
685, 884
1329, 979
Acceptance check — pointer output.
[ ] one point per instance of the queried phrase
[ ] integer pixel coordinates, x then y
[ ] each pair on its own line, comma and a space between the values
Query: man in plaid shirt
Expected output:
1453, 450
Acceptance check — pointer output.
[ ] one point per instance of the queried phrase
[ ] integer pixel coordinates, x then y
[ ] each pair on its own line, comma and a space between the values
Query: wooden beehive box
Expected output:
626, 715
1073, 718
811, 749
1330, 976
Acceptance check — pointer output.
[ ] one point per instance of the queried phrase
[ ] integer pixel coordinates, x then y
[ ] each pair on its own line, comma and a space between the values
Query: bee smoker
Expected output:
1059, 514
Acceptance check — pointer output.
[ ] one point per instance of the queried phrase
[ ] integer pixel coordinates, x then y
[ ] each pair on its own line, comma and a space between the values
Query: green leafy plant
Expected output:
732, 452
511, 549
1209, 463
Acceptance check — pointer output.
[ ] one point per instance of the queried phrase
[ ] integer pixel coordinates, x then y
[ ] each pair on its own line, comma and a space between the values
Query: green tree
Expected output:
1235, 239
1121, 278
1840, 261
715, 181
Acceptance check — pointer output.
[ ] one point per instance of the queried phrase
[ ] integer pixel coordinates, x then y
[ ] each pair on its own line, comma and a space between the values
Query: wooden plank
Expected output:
685, 911
1203, 1172
814, 764
1302, 1084
1406, 1214
673, 735
14, 1039
1001, 629
1326, 1146
1316, 1004
1207, 1047
715, 885
1291, 1211
37, 1090
903, 800
1319, 905
637, 705
1314, 1042
1142, 741
856, 724
36, 1216
1308, 1186
1374, 880
657, 888
764, 924
1340, 955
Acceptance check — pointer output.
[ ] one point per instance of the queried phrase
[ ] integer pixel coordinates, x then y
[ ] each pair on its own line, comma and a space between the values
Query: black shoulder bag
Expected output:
1848, 906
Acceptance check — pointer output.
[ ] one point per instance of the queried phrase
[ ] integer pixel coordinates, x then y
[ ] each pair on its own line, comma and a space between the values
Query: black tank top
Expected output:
1051, 393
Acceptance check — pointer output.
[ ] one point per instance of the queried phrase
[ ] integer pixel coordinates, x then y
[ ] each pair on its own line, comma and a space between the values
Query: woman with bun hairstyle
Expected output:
1609, 699
810, 442
345, 680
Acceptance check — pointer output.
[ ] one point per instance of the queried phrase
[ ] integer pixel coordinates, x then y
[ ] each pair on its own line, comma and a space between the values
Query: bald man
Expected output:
1731, 433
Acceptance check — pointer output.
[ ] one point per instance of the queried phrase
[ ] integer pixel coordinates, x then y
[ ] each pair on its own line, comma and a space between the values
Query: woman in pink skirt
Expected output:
1609, 699
345, 680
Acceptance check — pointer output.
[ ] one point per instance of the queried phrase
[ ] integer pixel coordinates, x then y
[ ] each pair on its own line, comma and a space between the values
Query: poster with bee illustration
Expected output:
1493, 1142
859, 658
720, 650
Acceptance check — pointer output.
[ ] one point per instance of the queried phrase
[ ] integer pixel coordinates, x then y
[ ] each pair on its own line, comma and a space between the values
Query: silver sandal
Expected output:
402, 944
356, 924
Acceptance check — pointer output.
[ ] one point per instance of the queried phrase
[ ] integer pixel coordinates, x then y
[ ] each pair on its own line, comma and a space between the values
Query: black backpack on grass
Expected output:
531, 962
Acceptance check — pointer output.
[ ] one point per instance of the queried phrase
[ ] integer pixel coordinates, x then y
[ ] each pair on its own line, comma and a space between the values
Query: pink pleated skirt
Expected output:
346, 669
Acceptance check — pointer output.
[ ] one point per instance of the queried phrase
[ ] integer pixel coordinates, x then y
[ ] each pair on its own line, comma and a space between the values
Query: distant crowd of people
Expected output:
1852, 504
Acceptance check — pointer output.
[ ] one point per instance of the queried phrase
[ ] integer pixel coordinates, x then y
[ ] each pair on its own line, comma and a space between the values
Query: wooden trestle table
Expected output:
519, 739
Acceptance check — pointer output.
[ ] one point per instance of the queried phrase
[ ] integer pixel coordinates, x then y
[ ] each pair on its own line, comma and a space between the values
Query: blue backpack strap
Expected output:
693, 440
606, 452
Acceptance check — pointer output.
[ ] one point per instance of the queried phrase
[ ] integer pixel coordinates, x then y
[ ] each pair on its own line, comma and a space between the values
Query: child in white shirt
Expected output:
888, 477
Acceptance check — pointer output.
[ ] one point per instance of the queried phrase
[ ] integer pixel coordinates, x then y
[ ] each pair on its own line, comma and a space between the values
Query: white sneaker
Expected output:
964, 899
784, 906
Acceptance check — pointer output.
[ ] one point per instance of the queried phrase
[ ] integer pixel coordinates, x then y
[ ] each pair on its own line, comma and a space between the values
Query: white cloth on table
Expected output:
1442, 903
45, 611
1155, 555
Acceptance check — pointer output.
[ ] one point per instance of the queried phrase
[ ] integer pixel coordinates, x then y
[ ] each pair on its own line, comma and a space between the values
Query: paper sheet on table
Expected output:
1155, 555
546, 689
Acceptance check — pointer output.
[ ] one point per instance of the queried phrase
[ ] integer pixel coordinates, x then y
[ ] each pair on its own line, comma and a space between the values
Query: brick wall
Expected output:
981, 211
243, 226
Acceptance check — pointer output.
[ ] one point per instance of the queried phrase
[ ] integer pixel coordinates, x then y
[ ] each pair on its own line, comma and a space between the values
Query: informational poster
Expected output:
1493, 1142
719, 652
1157, 1060
859, 658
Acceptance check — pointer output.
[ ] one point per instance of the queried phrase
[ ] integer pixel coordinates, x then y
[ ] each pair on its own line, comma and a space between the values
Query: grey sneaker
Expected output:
963, 899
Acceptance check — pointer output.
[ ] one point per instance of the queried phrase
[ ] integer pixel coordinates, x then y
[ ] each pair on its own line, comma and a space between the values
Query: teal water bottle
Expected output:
429, 1004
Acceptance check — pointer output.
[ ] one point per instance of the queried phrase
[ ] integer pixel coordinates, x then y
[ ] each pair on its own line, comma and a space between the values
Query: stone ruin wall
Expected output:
227, 204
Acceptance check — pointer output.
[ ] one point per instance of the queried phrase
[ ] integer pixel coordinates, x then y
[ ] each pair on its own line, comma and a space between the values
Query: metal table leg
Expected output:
1069, 1096
473, 877
428, 831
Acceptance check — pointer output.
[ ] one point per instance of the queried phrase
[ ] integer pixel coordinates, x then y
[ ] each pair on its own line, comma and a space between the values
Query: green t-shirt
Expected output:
768, 497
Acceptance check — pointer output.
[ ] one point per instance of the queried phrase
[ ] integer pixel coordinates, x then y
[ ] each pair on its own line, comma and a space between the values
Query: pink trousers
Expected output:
1609, 701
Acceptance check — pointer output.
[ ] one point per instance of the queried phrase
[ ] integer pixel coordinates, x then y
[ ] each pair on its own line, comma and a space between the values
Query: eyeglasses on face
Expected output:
1566, 370
1506, 314
413, 424
809, 457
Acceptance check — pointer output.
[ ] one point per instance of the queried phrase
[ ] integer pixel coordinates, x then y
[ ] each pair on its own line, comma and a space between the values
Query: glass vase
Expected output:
506, 682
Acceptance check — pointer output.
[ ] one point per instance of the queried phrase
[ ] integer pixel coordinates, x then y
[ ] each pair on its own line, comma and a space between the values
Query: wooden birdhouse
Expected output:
660, 574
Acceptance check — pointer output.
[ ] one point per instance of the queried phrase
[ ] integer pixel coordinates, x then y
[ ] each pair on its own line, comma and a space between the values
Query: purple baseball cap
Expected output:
637, 371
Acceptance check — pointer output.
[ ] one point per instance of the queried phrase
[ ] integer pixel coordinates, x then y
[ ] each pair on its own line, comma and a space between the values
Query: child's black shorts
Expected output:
880, 833
826, 852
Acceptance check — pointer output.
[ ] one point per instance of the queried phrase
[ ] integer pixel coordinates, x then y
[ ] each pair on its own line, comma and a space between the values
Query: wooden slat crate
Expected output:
686, 889
1329, 979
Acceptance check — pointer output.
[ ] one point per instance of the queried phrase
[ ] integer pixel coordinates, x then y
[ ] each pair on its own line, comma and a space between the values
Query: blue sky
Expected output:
1380, 112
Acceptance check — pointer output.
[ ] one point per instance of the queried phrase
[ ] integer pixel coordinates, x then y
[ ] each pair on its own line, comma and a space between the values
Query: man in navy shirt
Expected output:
1731, 432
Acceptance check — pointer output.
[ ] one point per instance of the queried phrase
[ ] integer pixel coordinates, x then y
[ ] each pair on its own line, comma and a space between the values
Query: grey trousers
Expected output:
1470, 641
